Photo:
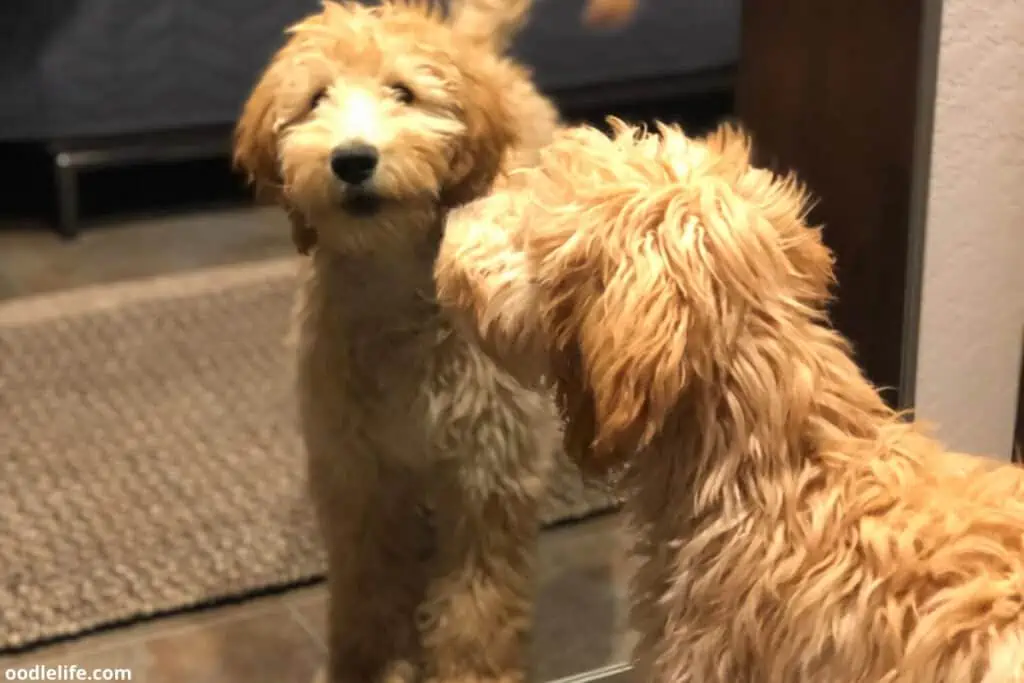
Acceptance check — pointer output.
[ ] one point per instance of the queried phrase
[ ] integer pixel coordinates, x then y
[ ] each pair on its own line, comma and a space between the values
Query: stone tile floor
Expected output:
278, 639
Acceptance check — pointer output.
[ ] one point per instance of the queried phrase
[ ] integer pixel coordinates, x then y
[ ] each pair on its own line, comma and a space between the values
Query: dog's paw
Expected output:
399, 672
396, 672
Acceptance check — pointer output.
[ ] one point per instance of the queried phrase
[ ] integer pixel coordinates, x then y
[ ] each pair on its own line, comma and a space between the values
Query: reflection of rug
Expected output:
149, 459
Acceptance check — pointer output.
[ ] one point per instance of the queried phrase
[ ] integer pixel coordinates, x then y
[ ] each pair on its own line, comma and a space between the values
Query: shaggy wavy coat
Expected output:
792, 528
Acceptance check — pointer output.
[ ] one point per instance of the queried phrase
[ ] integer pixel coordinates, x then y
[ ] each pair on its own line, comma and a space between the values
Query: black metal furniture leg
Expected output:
71, 157
66, 176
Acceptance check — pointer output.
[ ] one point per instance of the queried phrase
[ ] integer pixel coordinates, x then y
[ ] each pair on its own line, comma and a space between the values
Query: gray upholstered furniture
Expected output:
671, 47
108, 81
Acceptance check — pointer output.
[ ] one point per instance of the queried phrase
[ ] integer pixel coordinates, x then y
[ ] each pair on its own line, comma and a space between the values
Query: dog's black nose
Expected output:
354, 164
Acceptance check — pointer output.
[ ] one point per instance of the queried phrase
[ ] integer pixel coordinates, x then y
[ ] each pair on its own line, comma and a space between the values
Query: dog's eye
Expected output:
317, 98
403, 93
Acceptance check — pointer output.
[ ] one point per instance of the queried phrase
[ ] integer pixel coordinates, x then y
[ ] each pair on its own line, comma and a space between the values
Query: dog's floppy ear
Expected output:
255, 139
621, 331
490, 130
255, 153
608, 261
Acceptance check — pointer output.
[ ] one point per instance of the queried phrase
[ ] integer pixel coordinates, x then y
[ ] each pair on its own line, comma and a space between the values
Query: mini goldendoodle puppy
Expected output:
368, 126
792, 528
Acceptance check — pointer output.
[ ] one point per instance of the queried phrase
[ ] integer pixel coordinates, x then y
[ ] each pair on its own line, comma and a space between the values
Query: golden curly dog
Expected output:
791, 527
367, 127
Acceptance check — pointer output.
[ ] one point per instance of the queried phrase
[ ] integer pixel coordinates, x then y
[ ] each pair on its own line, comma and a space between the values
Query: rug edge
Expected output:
36, 308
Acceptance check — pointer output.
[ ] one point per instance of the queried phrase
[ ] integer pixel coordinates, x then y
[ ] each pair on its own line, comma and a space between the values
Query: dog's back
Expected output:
939, 540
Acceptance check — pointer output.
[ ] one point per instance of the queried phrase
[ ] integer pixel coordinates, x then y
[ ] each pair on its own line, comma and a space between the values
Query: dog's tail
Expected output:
608, 12
499, 21
490, 21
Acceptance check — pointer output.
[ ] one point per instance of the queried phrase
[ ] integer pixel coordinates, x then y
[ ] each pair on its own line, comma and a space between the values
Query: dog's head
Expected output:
369, 113
641, 262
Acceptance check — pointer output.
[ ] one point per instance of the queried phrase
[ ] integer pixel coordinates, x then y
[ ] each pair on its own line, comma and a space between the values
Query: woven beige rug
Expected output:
149, 459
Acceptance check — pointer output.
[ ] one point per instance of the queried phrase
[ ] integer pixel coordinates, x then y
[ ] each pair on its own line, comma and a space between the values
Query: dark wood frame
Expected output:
835, 90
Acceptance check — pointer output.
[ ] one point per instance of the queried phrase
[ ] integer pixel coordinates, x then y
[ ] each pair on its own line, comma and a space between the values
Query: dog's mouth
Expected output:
361, 202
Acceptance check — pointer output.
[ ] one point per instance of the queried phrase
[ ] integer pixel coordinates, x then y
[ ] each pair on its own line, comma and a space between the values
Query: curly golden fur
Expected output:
792, 528
367, 127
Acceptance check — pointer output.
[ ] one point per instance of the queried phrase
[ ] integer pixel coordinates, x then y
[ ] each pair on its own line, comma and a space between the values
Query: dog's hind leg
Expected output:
497, 444
378, 545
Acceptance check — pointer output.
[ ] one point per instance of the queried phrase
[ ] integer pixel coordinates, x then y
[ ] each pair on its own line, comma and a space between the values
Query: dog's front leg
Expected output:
479, 605
478, 613
378, 546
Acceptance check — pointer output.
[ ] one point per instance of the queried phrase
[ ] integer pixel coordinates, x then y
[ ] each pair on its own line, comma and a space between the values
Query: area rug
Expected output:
149, 457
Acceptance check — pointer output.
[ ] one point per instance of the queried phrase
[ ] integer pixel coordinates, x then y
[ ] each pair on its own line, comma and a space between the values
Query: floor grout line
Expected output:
315, 634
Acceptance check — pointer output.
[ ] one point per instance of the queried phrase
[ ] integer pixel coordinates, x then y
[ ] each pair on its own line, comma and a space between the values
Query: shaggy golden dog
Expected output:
368, 126
791, 527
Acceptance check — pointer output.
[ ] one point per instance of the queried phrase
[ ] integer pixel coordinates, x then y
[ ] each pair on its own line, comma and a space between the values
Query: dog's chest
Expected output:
376, 356
389, 359
364, 359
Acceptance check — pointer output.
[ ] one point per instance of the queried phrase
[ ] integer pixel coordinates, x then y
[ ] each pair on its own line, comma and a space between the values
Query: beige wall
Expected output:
972, 275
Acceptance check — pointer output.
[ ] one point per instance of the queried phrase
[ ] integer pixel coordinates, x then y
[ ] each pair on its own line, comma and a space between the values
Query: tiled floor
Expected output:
278, 639
581, 613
